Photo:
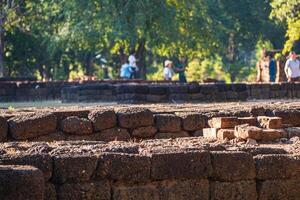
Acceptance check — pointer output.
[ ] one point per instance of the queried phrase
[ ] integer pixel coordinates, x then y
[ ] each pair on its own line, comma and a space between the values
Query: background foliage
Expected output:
64, 39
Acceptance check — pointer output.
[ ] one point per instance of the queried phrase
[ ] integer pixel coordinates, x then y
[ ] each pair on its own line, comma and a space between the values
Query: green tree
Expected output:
289, 13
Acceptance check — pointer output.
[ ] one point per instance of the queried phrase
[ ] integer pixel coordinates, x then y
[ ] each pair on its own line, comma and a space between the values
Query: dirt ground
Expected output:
167, 107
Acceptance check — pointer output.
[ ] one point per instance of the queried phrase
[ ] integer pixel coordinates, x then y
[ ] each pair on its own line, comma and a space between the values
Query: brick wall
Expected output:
124, 171
143, 91
192, 92
123, 123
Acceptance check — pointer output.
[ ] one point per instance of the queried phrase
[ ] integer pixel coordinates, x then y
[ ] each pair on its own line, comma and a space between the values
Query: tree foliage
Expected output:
57, 39
289, 13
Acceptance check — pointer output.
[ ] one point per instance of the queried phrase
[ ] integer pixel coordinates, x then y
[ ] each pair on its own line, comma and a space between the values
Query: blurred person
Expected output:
180, 69
132, 63
168, 70
125, 72
292, 68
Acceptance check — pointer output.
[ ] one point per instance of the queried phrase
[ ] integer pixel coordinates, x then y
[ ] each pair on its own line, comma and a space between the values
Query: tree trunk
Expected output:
1, 48
141, 56
89, 64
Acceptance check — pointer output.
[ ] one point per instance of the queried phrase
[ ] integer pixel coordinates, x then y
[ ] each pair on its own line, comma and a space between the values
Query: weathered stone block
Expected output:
272, 134
279, 189
32, 125
223, 134
103, 119
245, 131
21, 182
245, 190
144, 132
77, 126
56, 136
210, 133
135, 117
41, 161
88, 191
198, 133
119, 166
158, 89
73, 168
252, 121
63, 114
184, 164
142, 192
3, 129
289, 116
112, 134
156, 98
172, 135
224, 122
168, 123
50, 192
270, 122
232, 166
184, 189
277, 166
192, 121
292, 132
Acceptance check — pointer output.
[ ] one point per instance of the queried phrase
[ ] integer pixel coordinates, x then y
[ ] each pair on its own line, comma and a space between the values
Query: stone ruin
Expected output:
251, 129
151, 152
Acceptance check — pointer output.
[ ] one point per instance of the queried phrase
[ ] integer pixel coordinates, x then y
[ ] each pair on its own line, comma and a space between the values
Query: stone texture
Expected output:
279, 189
252, 121
135, 117
120, 166
232, 166
273, 134
75, 168
168, 123
223, 134
3, 129
198, 133
143, 192
293, 132
224, 122
77, 126
192, 121
277, 166
63, 114
21, 182
87, 191
185, 164
172, 135
210, 133
270, 122
50, 192
245, 131
240, 190
144, 132
184, 189
113, 134
103, 119
56, 136
32, 125
41, 161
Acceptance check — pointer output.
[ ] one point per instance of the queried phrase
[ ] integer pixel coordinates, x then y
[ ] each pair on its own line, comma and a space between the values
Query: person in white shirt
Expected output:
292, 68
132, 63
168, 71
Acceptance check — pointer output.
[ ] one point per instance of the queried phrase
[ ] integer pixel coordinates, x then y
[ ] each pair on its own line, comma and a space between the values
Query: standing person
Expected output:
292, 68
180, 69
132, 63
168, 70
272, 68
125, 72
